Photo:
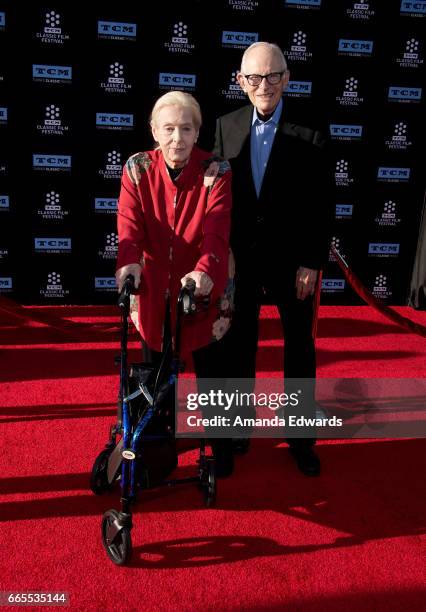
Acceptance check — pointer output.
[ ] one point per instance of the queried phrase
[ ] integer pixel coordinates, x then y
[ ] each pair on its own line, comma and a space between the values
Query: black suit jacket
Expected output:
289, 224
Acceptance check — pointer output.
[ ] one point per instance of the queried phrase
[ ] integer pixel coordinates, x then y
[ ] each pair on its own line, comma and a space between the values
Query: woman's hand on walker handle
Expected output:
123, 272
203, 282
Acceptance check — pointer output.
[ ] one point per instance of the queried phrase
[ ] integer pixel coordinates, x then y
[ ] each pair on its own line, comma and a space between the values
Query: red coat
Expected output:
177, 228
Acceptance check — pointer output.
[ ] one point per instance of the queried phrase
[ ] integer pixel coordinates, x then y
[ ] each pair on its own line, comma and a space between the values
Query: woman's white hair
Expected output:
272, 47
181, 99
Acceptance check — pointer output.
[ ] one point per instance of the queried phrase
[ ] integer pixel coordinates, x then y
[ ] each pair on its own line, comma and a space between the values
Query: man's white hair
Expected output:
272, 47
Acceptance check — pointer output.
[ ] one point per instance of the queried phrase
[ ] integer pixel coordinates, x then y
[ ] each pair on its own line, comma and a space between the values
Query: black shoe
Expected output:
240, 446
224, 457
307, 460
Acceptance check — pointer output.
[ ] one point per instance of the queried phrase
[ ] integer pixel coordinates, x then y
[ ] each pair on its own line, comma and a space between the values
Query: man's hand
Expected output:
203, 282
306, 279
122, 273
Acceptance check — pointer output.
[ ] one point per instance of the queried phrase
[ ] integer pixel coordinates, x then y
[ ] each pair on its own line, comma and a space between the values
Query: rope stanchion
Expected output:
371, 300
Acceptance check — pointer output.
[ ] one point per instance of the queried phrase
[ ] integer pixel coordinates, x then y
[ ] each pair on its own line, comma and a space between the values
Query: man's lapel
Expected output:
239, 132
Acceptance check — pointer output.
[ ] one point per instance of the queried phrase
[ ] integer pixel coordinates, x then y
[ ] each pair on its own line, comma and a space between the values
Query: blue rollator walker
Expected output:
141, 451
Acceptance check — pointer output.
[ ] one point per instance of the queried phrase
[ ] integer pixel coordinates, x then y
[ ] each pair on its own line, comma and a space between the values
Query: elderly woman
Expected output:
173, 225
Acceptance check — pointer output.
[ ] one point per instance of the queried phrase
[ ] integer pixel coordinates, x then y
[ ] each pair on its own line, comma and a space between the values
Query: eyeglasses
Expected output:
273, 78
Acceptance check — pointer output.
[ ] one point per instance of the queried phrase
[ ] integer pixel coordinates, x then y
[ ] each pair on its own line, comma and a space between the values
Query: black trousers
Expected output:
239, 346
208, 365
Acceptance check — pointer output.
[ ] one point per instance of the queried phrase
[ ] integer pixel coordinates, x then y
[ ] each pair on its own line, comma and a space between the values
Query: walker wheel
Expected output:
118, 549
99, 475
208, 482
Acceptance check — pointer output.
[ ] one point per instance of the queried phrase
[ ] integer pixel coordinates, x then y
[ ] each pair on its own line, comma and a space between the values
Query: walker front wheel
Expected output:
116, 538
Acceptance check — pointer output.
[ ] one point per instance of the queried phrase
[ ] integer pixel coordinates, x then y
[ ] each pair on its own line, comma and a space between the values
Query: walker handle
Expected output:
127, 290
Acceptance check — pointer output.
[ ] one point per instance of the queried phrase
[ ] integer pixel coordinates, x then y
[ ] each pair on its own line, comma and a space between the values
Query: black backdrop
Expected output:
77, 85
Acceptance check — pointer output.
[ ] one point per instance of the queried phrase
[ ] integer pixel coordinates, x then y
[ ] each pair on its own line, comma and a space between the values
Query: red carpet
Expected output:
350, 540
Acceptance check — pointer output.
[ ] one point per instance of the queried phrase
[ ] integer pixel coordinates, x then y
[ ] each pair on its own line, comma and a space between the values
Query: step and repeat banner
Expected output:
77, 85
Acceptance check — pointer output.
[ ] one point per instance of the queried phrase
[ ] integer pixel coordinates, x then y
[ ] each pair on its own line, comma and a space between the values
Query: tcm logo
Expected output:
115, 29
344, 210
4, 202
52, 161
52, 244
3, 114
106, 204
345, 131
355, 46
393, 174
114, 119
332, 284
42, 71
239, 38
5, 283
171, 79
383, 248
300, 87
316, 3
411, 94
410, 6
105, 283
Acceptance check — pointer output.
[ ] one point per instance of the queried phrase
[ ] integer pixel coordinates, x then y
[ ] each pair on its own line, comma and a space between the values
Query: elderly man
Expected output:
278, 225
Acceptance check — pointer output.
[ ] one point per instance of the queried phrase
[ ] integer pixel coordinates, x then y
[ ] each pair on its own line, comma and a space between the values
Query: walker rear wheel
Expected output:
208, 482
99, 475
